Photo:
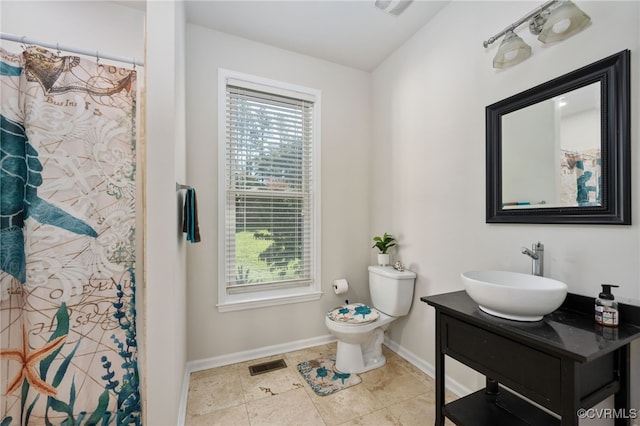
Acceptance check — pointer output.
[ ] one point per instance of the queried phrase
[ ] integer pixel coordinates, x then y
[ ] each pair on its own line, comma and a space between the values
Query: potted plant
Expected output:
383, 244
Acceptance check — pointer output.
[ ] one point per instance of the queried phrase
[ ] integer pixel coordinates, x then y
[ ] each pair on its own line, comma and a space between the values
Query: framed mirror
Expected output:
560, 152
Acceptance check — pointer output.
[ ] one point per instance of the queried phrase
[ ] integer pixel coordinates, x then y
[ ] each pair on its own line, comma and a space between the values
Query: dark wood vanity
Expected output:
565, 363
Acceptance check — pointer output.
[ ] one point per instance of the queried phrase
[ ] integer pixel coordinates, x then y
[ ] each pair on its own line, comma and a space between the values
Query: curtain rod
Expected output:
95, 53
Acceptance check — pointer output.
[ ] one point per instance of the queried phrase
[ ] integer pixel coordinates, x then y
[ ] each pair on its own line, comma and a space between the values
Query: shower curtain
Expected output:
580, 177
68, 345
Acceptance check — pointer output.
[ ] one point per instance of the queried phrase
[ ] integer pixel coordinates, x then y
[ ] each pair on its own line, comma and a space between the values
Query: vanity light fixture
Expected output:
512, 50
392, 7
564, 20
555, 20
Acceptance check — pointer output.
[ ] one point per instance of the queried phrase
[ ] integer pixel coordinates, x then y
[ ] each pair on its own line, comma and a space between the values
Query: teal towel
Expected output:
190, 217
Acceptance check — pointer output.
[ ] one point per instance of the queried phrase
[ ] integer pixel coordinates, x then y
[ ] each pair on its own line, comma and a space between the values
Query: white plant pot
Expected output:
383, 259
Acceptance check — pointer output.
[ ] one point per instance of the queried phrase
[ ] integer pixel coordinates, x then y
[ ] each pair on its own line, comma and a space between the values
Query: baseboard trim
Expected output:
233, 358
182, 407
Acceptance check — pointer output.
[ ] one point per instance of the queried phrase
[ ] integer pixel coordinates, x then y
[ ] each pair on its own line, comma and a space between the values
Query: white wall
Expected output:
346, 141
429, 100
74, 23
165, 248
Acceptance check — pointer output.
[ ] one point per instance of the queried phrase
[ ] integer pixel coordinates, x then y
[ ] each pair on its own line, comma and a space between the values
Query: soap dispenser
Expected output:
607, 307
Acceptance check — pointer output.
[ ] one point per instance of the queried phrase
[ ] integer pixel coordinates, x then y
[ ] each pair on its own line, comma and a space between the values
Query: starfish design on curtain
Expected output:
30, 361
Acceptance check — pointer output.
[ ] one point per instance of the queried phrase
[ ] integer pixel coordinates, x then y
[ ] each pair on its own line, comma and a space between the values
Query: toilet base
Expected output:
357, 358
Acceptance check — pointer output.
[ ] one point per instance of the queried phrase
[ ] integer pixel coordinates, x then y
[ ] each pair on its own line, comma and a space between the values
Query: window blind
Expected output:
268, 188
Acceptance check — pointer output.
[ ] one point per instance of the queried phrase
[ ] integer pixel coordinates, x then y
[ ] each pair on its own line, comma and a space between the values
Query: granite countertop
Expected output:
570, 331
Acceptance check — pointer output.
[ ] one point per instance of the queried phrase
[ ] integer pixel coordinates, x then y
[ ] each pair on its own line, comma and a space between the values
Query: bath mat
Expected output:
323, 378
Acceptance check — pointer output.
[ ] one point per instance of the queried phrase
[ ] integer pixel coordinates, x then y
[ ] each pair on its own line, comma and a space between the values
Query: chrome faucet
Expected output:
537, 256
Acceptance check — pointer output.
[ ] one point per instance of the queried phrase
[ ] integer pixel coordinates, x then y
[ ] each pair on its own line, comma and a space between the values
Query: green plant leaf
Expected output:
30, 409
62, 318
63, 367
96, 417
59, 406
384, 243
72, 393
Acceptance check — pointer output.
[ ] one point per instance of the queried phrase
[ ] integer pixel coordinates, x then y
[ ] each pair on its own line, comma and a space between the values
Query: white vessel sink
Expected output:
514, 296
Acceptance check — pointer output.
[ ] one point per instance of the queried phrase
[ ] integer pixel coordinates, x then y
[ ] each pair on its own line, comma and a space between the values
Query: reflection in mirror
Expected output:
551, 154
560, 151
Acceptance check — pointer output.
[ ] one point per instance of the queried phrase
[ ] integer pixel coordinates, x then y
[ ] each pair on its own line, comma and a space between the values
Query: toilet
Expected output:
359, 329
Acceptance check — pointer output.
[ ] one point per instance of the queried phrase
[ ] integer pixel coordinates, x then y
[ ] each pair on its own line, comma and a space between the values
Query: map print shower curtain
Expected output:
68, 348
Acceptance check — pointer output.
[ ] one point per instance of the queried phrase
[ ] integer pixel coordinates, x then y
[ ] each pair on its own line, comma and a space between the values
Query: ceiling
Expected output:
349, 32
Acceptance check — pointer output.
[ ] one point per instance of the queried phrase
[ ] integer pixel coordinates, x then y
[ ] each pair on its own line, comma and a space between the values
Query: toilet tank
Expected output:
391, 290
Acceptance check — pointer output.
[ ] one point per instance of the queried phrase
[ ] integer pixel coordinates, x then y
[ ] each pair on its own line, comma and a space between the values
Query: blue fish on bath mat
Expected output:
340, 376
322, 372
20, 177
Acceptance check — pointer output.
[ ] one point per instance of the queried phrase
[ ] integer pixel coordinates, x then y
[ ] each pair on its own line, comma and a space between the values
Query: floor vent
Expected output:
265, 367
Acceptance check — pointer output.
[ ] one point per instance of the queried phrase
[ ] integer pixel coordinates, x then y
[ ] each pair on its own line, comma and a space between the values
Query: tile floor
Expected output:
396, 394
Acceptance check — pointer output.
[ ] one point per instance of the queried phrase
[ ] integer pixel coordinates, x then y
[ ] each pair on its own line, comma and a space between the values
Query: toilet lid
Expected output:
354, 313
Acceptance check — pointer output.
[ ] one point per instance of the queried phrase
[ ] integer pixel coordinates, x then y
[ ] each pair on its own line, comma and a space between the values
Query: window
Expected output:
269, 192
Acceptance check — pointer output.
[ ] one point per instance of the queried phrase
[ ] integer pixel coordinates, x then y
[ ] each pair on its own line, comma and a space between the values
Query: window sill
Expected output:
241, 302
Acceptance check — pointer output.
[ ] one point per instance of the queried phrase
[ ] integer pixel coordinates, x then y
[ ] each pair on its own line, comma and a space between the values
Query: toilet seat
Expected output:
354, 313
351, 329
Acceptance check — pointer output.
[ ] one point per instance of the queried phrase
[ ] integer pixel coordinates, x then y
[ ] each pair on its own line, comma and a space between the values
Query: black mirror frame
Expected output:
613, 73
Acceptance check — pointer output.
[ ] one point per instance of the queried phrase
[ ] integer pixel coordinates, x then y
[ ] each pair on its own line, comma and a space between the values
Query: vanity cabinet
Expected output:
565, 363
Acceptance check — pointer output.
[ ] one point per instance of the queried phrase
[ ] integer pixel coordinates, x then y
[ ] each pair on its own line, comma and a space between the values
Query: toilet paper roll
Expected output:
340, 286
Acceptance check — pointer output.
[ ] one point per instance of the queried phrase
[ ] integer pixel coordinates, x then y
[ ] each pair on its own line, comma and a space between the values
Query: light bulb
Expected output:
510, 55
561, 26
